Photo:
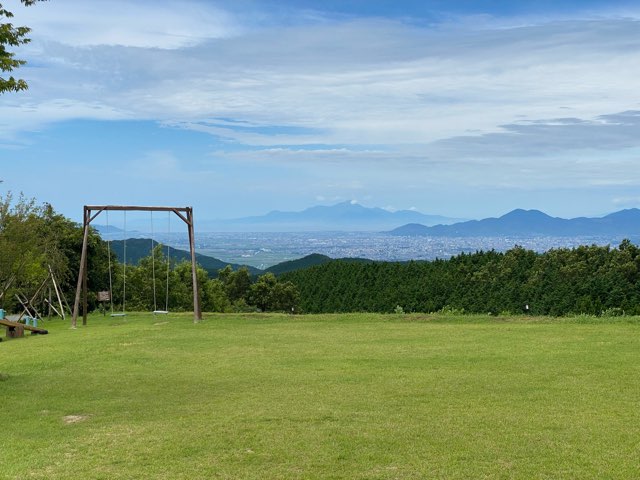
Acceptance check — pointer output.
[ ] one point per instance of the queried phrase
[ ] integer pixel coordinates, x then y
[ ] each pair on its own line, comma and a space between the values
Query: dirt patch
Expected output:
68, 419
161, 323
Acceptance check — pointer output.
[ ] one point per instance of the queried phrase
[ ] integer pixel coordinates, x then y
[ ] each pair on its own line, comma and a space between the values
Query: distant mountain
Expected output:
345, 216
521, 223
107, 229
138, 248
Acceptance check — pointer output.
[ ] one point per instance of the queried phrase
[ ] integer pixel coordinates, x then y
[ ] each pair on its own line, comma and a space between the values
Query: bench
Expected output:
15, 329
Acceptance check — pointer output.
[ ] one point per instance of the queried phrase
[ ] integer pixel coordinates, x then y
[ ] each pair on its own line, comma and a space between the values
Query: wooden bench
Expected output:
15, 329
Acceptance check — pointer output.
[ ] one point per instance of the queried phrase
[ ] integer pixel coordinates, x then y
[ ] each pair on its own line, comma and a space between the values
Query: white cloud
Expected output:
16, 118
159, 24
363, 82
627, 202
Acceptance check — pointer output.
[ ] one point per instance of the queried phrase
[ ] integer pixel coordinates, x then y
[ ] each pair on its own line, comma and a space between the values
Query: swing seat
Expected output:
118, 314
160, 312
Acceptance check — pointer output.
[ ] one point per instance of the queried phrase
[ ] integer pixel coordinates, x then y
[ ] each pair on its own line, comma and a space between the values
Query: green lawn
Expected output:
326, 397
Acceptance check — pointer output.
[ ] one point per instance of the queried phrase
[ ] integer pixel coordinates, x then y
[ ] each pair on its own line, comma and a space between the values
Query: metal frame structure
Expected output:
183, 213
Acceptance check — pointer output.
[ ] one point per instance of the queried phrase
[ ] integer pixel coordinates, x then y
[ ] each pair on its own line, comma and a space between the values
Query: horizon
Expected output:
455, 108
141, 223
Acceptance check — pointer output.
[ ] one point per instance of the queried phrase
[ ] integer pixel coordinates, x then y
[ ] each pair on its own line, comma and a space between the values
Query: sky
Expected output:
467, 109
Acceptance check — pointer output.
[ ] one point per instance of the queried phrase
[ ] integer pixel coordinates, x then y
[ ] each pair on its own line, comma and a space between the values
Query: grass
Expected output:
323, 397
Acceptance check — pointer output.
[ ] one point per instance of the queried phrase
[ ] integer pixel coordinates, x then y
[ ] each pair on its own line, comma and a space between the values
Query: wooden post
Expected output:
57, 290
84, 288
15, 331
197, 312
83, 262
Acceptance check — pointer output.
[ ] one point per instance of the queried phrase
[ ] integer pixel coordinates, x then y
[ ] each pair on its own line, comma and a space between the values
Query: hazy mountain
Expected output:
107, 229
345, 216
527, 223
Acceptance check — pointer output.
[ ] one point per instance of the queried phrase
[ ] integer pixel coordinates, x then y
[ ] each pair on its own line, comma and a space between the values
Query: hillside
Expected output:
304, 262
138, 248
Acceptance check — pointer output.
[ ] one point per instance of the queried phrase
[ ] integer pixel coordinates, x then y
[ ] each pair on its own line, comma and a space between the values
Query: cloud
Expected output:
355, 82
516, 103
627, 202
614, 131
160, 24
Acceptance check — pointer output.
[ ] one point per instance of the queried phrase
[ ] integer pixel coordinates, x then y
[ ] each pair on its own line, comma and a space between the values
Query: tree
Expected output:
35, 240
261, 292
236, 283
268, 294
13, 37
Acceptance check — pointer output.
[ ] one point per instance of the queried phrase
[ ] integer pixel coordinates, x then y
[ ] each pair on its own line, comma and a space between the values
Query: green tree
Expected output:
11, 36
261, 292
34, 238
214, 296
270, 295
235, 283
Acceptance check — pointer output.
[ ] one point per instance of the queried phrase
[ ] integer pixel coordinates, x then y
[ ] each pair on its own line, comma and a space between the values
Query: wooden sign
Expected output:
104, 296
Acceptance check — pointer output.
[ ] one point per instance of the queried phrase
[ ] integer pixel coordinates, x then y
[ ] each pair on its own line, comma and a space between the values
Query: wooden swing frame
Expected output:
183, 213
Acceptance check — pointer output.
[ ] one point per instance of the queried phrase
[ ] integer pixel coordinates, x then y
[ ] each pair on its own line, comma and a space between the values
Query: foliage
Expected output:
13, 37
172, 289
270, 295
34, 238
588, 279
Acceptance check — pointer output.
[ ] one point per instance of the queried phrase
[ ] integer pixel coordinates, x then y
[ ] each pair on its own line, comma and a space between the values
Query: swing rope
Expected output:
153, 267
109, 257
124, 267
153, 272
166, 298
124, 270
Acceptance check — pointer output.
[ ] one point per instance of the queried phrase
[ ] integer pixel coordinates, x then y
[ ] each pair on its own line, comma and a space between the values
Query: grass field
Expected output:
323, 397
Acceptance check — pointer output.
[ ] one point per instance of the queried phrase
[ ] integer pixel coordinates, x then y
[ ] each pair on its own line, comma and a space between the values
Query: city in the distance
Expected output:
351, 230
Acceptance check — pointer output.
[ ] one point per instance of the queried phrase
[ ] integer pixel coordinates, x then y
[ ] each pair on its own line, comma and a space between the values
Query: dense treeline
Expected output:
588, 279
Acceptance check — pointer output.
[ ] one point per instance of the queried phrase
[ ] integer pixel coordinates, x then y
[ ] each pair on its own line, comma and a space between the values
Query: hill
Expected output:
304, 262
345, 216
520, 223
138, 248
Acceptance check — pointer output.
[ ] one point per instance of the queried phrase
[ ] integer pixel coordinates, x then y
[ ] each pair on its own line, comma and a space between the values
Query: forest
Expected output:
593, 280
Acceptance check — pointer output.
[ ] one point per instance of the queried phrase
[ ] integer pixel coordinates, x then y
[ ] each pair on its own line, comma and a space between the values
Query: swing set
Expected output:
184, 213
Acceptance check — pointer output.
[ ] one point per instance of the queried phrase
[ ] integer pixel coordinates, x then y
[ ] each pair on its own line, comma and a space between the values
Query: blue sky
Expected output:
460, 108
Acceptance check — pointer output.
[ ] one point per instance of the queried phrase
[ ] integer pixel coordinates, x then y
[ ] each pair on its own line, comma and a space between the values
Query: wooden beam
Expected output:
135, 208
9, 323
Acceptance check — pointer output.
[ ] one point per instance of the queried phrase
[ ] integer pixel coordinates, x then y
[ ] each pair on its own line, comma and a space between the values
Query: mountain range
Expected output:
345, 216
530, 223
